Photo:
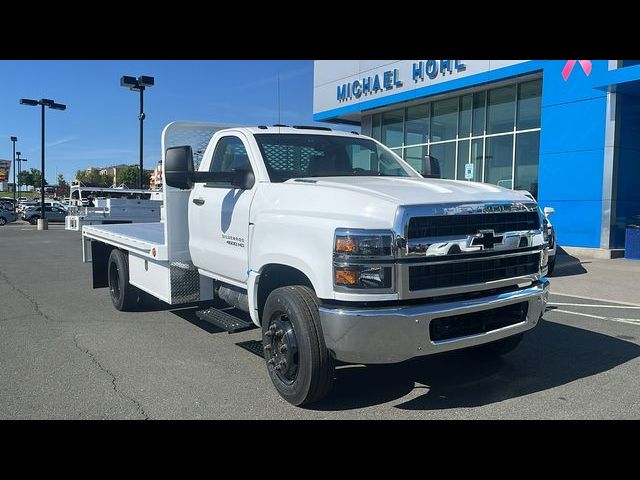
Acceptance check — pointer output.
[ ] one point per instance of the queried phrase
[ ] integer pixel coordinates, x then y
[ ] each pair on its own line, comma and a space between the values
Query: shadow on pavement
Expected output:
568, 265
550, 355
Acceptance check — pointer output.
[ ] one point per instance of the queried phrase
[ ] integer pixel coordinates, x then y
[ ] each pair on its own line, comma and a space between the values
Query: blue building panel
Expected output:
568, 127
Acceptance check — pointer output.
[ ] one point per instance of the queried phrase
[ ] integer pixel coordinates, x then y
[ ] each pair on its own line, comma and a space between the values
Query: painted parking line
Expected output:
582, 297
593, 305
631, 321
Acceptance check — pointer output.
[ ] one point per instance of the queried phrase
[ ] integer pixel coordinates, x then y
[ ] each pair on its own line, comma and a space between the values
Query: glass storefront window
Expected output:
392, 128
529, 99
499, 158
464, 122
527, 158
415, 155
475, 127
445, 153
478, 113
375, 126
444, 119
417, 125
463, 158
477, 158
501, 109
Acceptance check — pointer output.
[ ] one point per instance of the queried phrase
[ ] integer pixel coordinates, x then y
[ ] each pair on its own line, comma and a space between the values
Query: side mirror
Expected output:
178, 167
548, 211
243, 179
430, 167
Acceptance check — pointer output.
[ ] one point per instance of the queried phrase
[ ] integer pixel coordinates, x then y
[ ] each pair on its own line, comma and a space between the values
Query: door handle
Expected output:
198, 201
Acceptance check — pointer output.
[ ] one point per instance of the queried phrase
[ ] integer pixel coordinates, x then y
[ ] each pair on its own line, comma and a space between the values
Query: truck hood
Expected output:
413, 190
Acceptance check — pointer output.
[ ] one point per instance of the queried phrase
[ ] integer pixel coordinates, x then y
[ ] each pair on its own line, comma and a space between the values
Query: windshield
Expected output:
297, 155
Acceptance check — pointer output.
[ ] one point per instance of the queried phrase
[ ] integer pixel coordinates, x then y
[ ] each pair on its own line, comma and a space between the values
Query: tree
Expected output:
128, 176
25, 177
61, 180
31, 177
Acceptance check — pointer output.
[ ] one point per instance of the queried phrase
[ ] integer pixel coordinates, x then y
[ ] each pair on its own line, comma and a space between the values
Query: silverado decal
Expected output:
234, 241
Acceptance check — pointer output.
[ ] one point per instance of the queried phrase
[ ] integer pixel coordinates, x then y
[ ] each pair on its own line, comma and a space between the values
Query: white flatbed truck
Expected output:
335, 247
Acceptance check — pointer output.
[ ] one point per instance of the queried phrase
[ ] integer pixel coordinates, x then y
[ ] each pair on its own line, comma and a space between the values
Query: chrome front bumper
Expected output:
390, 335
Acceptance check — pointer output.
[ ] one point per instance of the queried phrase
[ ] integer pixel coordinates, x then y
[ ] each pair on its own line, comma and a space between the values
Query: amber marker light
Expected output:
346, 245
346, 277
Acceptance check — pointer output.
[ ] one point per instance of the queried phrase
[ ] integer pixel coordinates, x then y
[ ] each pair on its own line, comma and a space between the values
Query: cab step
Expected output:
224, 320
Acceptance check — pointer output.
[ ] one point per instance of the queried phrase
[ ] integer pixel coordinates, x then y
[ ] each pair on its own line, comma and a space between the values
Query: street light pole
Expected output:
141, 117
139, 85
19, 160
42, 177
14, 140
44, 102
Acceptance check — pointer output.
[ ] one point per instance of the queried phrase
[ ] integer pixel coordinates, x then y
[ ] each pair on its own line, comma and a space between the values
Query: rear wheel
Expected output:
299, 364
123, 295
34, 220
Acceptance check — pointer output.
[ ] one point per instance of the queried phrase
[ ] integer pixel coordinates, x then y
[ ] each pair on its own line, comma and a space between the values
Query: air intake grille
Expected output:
478, 322
443, 275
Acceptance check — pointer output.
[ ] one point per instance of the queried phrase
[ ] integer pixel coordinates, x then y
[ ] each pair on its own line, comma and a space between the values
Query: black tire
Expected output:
3, 221
551, 265
34, 220
123, 295
501, 347
309, 374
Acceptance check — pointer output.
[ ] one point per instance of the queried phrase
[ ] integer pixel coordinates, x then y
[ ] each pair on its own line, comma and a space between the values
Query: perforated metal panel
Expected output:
195, 134
290, 158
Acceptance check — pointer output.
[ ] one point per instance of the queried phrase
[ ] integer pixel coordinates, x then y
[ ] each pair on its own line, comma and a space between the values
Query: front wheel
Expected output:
3, 221
299, 364
33, 220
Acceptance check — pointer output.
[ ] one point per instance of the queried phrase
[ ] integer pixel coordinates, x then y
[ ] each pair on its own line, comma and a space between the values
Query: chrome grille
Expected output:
448, 225
453, 274
458, 248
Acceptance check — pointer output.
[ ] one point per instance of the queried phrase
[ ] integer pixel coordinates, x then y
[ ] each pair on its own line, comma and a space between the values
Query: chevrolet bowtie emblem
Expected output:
486, 239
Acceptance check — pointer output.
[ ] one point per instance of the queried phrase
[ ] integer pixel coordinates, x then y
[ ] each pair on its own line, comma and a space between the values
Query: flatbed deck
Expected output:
141, 238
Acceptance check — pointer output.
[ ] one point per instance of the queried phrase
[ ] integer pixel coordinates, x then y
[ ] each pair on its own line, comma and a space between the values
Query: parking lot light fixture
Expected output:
43, 102
14, 140
139, 85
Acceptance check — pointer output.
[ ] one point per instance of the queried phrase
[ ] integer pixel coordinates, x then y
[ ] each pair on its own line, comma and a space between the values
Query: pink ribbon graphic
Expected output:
568, 67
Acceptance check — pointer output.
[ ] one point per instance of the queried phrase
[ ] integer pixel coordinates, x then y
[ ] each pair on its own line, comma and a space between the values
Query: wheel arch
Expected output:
276, 275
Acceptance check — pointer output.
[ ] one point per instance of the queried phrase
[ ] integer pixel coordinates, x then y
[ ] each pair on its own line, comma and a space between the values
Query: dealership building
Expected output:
568, 131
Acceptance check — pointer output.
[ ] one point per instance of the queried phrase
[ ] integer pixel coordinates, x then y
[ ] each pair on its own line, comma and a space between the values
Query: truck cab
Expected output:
336, 248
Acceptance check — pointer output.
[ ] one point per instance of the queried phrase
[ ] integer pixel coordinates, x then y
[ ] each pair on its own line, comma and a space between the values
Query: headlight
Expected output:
363, 259
362, 243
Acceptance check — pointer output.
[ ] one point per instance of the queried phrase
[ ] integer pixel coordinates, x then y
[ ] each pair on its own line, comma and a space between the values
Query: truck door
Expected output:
219, 215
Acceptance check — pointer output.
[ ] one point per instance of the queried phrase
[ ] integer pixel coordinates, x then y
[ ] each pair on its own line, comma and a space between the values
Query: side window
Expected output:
230, 154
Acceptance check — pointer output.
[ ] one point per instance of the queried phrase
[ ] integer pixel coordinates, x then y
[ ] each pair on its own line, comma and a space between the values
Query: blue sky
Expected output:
100, 125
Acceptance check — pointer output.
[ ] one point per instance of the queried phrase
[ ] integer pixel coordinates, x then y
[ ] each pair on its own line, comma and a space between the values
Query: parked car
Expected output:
36, 203
7, 216
53, 214
7, 204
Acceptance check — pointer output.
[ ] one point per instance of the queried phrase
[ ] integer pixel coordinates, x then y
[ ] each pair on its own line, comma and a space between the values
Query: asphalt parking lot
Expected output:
66, 353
